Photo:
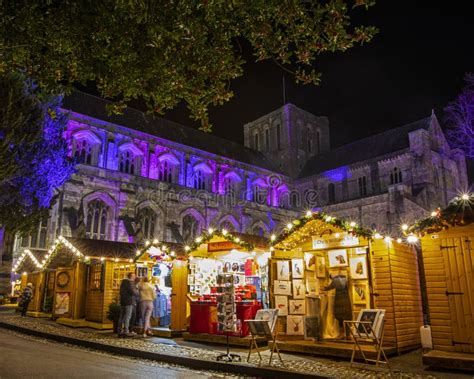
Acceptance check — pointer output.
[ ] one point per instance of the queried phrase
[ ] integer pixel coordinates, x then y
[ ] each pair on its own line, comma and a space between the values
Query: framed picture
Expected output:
311, 328
283, 270
190, 280
297, 268
312, 286
361, 250
61, 303
294, 325
360, 293
297, 307
281, 303
299, 290
259, 328
281, 287
310, 261
373, 321
320, 266
268, 315
358, 267
338, 258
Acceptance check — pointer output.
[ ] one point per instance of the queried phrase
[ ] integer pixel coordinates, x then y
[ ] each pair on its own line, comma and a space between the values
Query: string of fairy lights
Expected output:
459, 212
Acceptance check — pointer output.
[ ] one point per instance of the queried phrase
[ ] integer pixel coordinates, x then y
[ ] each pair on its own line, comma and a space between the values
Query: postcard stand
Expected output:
263, 328
364, 333
226, 312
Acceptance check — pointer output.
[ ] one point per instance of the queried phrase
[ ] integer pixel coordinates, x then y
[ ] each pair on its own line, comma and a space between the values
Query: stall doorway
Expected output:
458, 262
161, 279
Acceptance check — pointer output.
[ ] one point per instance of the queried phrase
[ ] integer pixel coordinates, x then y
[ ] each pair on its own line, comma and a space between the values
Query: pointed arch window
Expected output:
83, 153
97, 219
228, 226
127, 162
258, 231
201, 180
148, 220
165, 171
259, 194
190, 228
37, 238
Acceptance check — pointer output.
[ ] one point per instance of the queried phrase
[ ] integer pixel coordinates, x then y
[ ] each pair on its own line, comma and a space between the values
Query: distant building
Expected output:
141, 177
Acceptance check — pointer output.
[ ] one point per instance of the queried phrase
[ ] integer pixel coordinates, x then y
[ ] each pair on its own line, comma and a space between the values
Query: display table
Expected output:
203, 317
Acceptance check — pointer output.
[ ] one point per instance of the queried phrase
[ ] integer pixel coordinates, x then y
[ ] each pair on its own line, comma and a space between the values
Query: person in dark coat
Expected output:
136, 299
128, 292
26, 297
342, 302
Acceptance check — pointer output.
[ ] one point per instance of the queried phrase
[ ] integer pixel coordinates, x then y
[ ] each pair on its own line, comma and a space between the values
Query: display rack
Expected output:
226, 312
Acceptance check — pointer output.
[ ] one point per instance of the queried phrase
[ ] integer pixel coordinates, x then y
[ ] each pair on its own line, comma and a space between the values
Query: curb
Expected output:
194, 363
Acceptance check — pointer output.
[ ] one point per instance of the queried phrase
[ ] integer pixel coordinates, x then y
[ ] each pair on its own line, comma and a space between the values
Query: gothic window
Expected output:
331, 193
395, 176
148, 220
278, 132
230, 188
165, 172
200, 180
362, 181
37, 238
310, 146
258, 231
318, 142
267, 139
97, 217
309, 141
259, 194
127, 162
256, 141
190, 228
83, 153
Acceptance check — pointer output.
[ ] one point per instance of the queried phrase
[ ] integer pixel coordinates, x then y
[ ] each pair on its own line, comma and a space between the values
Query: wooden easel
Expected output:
363, 333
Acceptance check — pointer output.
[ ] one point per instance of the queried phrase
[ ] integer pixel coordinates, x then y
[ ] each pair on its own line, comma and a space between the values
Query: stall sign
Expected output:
324, 243
61, 305
221, 246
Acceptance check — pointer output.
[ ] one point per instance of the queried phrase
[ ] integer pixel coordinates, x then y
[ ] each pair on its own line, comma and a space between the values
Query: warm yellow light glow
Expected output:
199, 239
399, 240
309, 214
155, 241
130, 260
138, 252
328, 218
388, 239
25, 273
337, 235
465, 196
412, 239
102, 259
210, 230
272, 248
434, 214
147, 243
273, 237
404, 227
353, 224
116, 259
377, 236
224, 232
187, 248
172, 254
289, 225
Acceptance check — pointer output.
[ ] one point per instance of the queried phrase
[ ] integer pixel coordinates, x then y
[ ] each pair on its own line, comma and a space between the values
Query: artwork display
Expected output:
297, 268
268, 315
283, 270
373, 321
358, 267
310, 261
311, 328
360, 293
320, 267
190, 280
294, 325
259, 328
299, 290
281, 303
312, 286
297, 307
338, 258
61, 303
282, 287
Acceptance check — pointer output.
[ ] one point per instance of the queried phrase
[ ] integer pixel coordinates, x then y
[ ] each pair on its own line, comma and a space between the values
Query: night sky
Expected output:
415, 63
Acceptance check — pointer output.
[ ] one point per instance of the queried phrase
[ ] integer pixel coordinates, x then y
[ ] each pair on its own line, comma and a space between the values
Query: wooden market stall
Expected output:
447, 239
216, 254
317, 252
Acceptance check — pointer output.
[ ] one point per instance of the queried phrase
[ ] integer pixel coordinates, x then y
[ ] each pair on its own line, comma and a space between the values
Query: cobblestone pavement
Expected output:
410, 367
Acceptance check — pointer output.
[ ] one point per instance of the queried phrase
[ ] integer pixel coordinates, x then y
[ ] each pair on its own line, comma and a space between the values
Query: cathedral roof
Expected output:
131, 118
364, 149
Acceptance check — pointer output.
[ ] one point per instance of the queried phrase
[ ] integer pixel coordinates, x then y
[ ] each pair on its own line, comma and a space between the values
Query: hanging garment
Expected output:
342, 302
160, 306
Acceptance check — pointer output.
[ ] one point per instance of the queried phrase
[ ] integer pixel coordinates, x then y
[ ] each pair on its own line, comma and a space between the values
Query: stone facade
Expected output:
142, 178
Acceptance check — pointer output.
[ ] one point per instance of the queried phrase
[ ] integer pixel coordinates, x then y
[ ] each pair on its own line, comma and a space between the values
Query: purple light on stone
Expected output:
338, 174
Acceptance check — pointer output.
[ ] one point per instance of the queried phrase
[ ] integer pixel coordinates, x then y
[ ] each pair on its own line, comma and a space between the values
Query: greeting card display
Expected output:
281, 287
310, 261
283, 270
320, 267
299, 289
294, 325
358, 267
312, 286
297, 268
281, 303
297, 307
226, 309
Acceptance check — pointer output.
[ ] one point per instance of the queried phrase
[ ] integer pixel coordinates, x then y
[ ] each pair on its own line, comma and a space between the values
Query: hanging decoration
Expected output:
224, 233
157, 250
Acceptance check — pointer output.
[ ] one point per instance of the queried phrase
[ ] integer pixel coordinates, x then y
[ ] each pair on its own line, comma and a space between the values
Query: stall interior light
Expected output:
412, 239
465, 196
399, 240
388, 239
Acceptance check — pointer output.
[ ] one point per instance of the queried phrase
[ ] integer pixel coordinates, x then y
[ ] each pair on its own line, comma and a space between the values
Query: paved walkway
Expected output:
406, 366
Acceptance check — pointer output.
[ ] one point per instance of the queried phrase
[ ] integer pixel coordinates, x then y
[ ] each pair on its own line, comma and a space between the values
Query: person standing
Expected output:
136, 300
127, 292
26, 297
147, 296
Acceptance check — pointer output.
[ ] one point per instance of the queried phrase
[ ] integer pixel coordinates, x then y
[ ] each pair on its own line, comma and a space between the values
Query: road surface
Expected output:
26, 357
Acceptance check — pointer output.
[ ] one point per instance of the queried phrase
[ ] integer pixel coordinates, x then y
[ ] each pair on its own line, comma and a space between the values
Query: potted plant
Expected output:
113, 314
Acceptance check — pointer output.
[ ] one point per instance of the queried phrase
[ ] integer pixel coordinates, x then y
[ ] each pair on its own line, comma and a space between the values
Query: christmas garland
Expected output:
459, 212
210, 233
348, 226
